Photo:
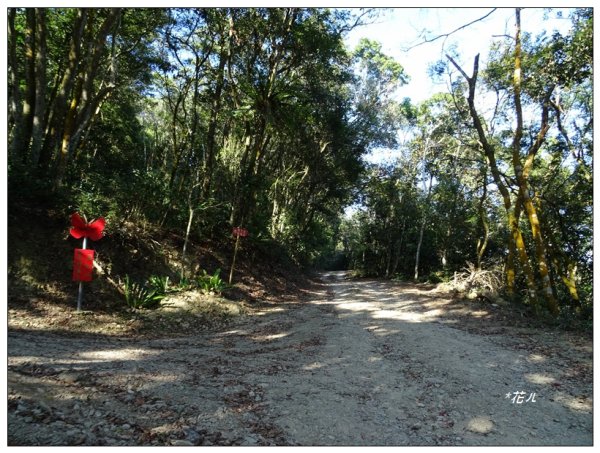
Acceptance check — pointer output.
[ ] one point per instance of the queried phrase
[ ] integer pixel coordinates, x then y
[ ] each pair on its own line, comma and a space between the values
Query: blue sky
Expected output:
400, 28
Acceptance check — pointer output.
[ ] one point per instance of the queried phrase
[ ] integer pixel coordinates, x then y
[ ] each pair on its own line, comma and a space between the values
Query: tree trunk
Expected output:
540, 251
422, 230
510, 269
483, 241
521, 173
516, 245
61, 101
24, 115
399, 247
417, 257
564, 265
246, 190
388, 261
187, 237
521, 251
85, 120
14, 95
224, 56
68, 129
40, 87
84, 100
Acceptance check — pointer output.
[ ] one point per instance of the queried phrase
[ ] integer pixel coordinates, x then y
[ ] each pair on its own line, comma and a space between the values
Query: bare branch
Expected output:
446, 35
503, 36
358, 20
464, 74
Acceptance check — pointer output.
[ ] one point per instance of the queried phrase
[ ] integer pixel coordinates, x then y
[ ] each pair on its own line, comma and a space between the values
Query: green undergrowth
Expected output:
137, 287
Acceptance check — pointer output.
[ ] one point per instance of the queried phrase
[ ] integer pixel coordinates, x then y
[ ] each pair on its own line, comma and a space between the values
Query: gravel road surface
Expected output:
363, 362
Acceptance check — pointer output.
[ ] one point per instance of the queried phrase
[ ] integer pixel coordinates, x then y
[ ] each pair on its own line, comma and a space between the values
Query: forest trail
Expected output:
363, 362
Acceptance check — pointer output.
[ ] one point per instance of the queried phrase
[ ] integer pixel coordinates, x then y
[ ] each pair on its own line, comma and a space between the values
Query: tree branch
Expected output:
358, 21
446, 35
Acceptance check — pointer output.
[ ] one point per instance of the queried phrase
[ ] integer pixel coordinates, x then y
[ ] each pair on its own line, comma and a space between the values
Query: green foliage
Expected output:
185, 284
94, 197
440, 188
211, 283
580, 320
182, 121
189, 120
141, 296
379, 67
439, 276
159, 284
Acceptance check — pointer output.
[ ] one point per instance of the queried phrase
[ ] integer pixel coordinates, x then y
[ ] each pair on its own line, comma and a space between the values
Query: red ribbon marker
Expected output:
81, 229
83, 260
83, 263
238, 232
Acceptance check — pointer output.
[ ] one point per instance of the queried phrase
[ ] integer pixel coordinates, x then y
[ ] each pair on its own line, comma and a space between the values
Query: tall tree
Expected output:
524, 154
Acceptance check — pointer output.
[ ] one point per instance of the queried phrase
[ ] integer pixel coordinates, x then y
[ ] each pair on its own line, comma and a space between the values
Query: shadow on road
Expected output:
362, 363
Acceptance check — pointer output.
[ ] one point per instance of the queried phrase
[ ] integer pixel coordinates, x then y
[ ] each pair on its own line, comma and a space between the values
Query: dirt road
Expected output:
361, 363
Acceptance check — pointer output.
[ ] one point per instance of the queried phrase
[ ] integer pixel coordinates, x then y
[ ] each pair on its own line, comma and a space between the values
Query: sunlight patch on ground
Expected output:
437, 303
479, 313
241, 332
268, 311
164, 429
357, 306
396, 311
116, 354
274, 336
536, 358
536, 378
391, 301
26, 359
433, 313
401, 316
481, 425
312, 366
581, 404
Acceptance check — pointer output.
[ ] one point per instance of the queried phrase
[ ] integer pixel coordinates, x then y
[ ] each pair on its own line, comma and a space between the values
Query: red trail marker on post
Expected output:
82, 229
83, 263
83, 260
238, 232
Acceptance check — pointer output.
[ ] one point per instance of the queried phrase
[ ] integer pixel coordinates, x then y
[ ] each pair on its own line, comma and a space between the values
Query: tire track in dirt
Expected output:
361, 363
